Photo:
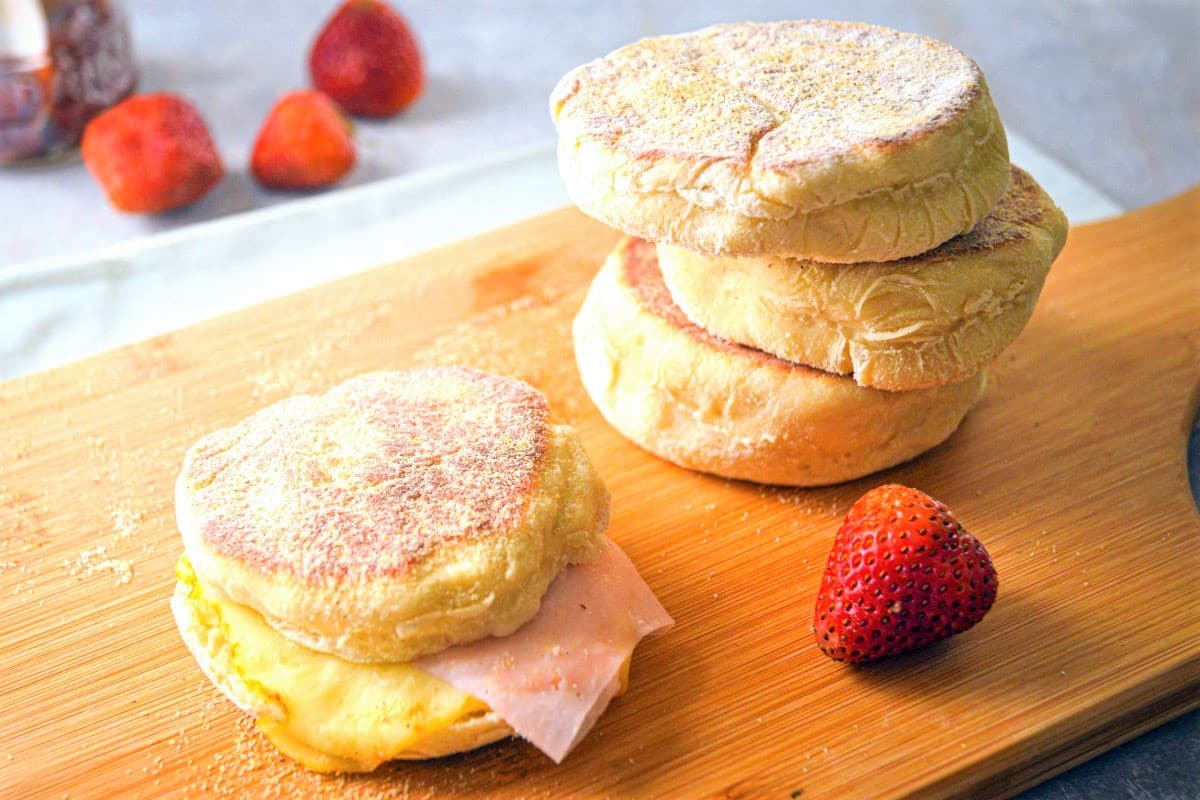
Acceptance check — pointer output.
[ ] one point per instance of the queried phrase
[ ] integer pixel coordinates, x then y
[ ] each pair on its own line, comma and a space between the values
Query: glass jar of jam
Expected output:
62, 62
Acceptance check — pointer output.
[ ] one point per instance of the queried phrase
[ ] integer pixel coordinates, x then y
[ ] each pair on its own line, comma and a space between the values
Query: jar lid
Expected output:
23, 31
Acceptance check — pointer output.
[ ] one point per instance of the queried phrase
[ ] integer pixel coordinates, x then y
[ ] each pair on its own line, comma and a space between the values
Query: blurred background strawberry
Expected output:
152, 153
305, 143
367, 60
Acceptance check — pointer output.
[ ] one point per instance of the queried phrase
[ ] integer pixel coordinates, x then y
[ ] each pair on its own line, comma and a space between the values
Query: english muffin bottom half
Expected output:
830, 141
926, 320
352, 559
329, 714
708, 404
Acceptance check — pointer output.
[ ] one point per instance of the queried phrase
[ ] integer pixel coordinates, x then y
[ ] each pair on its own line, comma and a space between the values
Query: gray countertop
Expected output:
1110, 89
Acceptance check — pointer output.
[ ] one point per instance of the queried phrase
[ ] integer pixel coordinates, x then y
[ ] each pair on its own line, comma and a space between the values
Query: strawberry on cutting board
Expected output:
367, 60
305, 143
902, 574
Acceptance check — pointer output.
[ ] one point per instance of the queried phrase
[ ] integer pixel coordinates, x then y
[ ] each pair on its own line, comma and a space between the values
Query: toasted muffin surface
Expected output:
826, 140
395, 515
365, 480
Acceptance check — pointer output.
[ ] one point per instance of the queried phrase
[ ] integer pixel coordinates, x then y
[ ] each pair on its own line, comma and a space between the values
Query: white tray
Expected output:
57, 310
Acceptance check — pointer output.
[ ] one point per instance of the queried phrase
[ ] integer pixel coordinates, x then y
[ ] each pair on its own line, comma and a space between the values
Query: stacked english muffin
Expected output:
827, 244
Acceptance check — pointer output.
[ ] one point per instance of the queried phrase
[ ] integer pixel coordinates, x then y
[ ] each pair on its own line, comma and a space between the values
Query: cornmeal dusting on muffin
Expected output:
783, 94
362, 480
1010, 221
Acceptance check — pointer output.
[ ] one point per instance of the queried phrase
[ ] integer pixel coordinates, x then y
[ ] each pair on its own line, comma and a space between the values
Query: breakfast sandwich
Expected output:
410, 565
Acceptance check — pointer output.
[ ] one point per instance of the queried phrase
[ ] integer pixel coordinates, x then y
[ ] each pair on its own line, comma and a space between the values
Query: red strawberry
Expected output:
304, 144
366, 59
902, 574
151, 153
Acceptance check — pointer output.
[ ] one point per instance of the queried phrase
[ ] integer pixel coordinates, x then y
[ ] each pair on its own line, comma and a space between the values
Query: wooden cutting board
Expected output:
1071, 470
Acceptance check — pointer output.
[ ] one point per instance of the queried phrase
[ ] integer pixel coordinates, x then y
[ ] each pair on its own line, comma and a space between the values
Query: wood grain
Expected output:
1071, 470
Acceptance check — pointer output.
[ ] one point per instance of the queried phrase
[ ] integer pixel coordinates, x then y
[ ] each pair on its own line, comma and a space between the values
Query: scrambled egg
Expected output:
329, 714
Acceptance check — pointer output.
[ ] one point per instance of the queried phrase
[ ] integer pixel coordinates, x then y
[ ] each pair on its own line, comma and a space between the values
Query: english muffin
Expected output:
828, 141
708, 404
926, 320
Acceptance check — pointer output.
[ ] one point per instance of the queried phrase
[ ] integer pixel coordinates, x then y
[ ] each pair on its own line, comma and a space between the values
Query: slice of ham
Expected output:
553, 678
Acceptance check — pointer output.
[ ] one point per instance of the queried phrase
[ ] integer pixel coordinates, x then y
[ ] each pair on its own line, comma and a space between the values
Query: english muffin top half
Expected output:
831, 141
394, 516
